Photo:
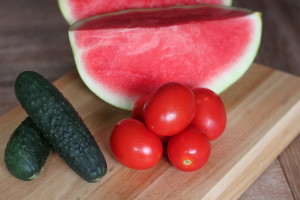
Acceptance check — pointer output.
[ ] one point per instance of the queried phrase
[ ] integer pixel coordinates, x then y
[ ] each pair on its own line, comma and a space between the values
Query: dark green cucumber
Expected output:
61, 125
26, 151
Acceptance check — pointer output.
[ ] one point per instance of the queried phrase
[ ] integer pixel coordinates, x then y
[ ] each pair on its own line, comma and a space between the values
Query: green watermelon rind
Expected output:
69, 17
126, 102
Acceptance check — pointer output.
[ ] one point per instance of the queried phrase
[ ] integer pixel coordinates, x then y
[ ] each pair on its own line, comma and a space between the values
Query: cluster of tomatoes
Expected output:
184, 120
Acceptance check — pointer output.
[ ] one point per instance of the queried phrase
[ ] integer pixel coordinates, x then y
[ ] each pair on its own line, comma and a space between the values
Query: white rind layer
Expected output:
227, 2
227, 78
66, 11
240, 67
97, 88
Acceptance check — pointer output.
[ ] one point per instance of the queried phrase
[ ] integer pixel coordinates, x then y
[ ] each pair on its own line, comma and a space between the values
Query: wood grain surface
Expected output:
261, 123
280, 49
33, 36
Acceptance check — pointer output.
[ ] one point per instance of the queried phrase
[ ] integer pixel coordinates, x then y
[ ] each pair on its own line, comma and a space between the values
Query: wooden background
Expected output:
33, 36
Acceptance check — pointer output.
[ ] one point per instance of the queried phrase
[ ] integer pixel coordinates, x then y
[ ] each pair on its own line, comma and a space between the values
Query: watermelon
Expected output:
74, 10
125, 55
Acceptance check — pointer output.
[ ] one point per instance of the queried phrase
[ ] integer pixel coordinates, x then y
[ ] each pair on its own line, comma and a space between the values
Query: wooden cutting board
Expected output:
263, 118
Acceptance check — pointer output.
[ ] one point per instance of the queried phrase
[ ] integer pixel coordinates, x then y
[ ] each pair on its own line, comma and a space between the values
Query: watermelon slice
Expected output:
125, 55
74, 10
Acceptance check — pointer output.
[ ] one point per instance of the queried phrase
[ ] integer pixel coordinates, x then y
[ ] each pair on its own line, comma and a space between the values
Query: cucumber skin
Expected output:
26, 151
61, 125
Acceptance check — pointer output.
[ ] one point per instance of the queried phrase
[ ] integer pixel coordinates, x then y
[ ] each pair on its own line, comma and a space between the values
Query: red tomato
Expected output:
189, 150
134, 145
210, 114
138, 108
169, 109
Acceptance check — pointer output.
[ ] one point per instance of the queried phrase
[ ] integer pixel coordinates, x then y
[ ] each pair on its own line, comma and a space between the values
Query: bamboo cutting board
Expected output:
263, 118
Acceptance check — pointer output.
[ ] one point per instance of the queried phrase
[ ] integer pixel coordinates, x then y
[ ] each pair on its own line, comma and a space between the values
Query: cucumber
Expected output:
61, 125
26, 151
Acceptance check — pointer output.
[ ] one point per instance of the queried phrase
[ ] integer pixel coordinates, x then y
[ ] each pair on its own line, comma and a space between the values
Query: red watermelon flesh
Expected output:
74, 10
125, 55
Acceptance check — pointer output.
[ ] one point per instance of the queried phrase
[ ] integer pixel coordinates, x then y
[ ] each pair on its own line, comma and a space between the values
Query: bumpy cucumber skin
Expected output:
26, 151
61, 125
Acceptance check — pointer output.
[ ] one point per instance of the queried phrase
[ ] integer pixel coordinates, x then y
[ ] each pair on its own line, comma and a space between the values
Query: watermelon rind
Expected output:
65, 8
66, 11
217, 84
244, 63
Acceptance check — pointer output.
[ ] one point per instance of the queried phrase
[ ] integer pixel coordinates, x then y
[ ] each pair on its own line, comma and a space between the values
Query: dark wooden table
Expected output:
33, 36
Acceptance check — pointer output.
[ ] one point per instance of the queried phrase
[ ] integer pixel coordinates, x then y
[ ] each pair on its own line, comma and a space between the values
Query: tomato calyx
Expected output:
187, 162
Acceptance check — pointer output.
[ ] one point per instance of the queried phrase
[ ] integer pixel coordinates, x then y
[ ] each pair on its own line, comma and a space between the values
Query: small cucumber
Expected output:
61, 125
26, 151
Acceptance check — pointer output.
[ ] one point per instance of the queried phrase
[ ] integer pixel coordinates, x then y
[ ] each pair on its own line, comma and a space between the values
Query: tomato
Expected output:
169, 109
138, 108
134, 145
189, 150
210, 114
